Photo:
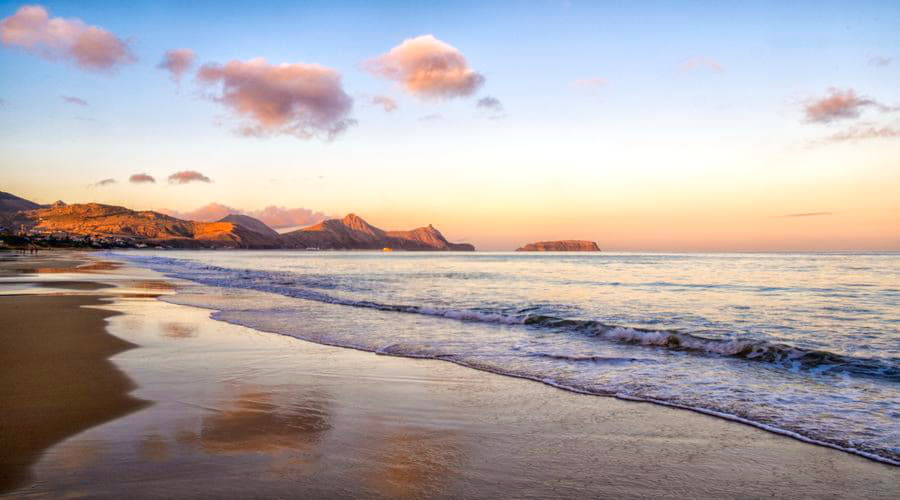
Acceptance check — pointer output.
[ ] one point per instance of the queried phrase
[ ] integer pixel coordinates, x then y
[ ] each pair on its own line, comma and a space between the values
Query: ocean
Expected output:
805, 345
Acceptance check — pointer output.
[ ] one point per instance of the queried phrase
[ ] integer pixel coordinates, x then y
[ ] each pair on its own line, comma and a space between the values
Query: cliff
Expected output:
561, 246
354, 233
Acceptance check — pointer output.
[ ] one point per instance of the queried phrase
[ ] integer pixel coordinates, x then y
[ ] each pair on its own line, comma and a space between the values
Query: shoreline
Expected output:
218, 314
44, 400
224, 394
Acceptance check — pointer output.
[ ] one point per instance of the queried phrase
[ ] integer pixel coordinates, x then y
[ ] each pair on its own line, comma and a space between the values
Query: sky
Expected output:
658, 126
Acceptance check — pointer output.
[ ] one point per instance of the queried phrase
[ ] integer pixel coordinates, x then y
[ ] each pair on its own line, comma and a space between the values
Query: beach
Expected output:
108, 391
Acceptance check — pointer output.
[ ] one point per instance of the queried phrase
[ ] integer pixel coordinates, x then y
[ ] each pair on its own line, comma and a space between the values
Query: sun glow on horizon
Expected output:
786, 138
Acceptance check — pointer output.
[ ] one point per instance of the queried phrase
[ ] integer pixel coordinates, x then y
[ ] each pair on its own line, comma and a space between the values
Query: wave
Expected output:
785, 356
564, 369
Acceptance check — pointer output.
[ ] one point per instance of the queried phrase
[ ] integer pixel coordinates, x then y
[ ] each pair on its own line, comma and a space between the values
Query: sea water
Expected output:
806, 345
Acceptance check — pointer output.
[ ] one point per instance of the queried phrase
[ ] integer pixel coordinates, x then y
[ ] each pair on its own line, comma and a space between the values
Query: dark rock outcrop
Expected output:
561, 246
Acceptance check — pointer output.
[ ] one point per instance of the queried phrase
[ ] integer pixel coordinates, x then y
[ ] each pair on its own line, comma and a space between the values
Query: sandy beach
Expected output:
108, 391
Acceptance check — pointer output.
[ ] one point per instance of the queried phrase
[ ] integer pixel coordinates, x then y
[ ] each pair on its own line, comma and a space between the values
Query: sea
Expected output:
804, 345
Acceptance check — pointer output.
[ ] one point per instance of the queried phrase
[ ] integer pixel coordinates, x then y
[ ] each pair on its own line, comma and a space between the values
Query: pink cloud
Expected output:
186, 176
74, 100
427, 67
859, 133
839, 105
89, 47
590, 82
141, 179
387, 103
177, 62
695, 63
279, 217
206, 213
273, 216
303, 100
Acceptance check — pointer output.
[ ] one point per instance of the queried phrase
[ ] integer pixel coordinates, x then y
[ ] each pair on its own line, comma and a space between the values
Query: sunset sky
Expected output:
694, 126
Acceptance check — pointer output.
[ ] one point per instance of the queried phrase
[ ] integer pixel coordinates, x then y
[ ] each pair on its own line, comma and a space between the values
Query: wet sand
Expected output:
56, 379
241, 413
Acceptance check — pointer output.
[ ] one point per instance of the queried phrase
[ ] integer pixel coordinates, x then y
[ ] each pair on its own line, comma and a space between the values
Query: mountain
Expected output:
95, 224
560, 246
12, 203
354, 233
107, 221
252, 224
425, 238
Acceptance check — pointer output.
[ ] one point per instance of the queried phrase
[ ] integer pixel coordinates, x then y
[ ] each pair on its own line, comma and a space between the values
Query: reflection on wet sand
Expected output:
154, 448
177, 330
53, 264
76, 455
56, 378
156, 285
254, 422
416, 463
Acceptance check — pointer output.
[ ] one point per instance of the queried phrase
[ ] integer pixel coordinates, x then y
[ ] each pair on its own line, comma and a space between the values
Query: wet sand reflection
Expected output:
154, 448
177, 330
416, 463
255, 422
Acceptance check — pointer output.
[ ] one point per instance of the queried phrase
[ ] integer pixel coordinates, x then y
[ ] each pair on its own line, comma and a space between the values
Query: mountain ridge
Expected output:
101, 225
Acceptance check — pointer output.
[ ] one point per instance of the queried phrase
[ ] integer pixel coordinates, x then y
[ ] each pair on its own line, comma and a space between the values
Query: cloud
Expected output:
206, 213
177, 62
879, 61
492, 106
280, 217
302, 100
590, 82
859, 133
387, 103
273, 216
104, 182
74, 100
427, 67
490, 103
695, 63
89, 47
186, 176
839, 105
808, 214
141, 179
431, 118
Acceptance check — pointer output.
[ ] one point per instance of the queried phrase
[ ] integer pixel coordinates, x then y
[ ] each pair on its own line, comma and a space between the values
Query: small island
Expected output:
561, 246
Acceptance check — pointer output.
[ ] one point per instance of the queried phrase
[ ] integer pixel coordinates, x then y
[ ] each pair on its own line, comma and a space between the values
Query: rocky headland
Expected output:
560, 246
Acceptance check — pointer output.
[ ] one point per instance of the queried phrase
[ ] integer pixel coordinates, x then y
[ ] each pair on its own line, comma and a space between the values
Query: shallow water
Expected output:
806, 345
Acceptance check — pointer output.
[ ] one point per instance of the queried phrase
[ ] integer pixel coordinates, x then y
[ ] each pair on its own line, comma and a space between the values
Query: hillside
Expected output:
96, 220
354, 233
11, 203
95, 224
252, 224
